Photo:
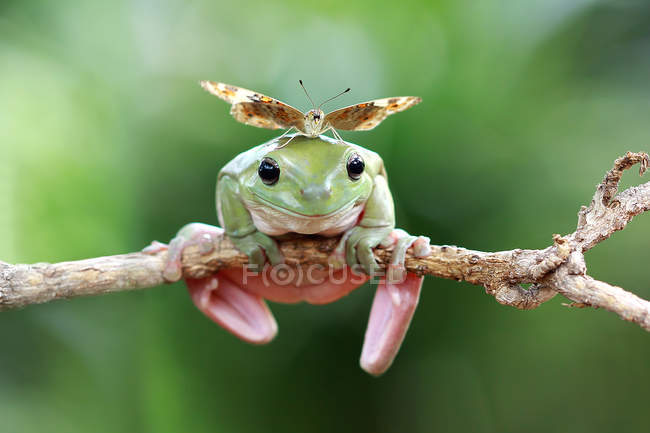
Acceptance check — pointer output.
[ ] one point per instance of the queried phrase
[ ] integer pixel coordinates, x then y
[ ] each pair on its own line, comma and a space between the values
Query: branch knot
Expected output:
516, 296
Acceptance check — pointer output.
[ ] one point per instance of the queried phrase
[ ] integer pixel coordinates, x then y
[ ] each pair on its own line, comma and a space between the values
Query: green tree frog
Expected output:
310, 186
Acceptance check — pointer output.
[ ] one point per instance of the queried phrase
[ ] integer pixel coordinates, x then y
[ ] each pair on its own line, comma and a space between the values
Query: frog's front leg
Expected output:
219, 296
356, 245
237, 222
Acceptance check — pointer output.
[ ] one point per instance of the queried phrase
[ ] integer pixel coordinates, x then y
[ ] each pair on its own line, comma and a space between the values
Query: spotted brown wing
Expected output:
255, 109
367, 115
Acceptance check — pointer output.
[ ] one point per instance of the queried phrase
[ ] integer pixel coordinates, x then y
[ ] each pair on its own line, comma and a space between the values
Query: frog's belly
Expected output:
274, 222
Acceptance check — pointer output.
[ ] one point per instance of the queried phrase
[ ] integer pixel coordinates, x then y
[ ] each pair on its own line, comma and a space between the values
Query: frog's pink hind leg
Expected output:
394, 304
219, 296
390, 316
243, 314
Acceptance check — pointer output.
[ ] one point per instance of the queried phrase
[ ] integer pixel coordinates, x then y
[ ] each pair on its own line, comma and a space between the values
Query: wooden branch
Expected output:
559, 268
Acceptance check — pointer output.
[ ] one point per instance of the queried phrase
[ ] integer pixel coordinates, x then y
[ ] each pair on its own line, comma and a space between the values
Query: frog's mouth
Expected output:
295, 214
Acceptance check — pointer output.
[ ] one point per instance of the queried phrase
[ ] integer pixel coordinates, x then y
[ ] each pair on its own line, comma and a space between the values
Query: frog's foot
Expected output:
199, 234
390, 316
258, 247
222, 298
402, 241
355, 248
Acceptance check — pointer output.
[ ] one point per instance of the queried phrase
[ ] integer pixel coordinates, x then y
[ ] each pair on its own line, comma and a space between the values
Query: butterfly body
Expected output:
256, 109
314, 123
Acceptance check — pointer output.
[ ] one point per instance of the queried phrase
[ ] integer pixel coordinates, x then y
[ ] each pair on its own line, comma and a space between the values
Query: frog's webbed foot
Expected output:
258, 247
394, 304
355, 248
191, 234
220, 296
402, 241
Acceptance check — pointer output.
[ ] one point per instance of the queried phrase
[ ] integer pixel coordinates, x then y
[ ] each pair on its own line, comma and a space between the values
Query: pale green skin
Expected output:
313, 181
314, 194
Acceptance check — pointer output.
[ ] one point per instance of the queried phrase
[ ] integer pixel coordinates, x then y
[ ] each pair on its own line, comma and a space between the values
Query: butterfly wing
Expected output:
255, 109
367, 115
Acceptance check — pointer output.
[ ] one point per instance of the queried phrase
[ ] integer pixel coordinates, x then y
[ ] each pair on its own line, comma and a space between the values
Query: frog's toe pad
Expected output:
224, 302
392, 310
422, 246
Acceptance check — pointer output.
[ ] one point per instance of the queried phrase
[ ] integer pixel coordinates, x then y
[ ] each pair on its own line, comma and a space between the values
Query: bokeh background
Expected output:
107, 142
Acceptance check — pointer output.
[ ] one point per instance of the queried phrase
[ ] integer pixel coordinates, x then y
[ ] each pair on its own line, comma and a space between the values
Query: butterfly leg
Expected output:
285, 133
287, 142
336, 134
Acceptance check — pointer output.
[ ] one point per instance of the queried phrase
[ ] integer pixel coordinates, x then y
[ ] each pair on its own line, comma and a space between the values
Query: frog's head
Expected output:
313, 177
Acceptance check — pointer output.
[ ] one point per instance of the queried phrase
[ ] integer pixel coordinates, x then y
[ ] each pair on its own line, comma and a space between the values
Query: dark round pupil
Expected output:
269, 171
355, 166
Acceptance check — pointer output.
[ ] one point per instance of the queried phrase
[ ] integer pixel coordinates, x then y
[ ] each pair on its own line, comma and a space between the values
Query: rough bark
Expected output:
559, 268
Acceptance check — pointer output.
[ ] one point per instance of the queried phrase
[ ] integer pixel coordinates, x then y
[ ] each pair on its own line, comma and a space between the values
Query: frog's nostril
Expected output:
316, 192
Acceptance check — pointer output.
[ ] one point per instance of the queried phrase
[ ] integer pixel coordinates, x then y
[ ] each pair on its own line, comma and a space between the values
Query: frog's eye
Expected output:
355, 166
269, 171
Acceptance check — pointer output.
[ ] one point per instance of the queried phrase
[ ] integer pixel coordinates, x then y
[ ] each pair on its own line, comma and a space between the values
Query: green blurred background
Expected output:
108, 142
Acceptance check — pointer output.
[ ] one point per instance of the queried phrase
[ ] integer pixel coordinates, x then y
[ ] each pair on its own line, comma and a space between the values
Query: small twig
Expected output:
559, 268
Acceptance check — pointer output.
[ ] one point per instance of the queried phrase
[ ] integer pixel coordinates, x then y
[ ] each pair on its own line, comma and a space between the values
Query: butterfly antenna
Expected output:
308, 97
333, 97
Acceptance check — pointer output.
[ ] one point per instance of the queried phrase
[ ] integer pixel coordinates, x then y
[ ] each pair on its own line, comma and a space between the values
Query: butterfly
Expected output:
256, 109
